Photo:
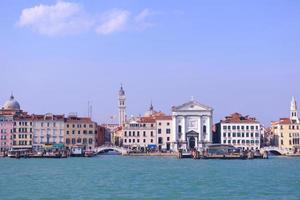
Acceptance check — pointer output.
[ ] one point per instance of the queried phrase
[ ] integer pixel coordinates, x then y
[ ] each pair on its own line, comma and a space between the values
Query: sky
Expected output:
234, 55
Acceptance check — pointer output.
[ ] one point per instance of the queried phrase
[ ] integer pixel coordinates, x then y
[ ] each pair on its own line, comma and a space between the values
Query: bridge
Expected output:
105, 148
276, 150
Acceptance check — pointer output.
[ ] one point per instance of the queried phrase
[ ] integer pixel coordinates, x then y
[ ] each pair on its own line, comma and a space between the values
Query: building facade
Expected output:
240, 131
287, 130
140, 133
192, 126
48, 130
80, 132
22, 132
6, 130
164, 130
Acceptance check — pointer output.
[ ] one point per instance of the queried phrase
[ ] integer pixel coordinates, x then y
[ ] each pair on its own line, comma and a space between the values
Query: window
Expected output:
159, 131
179, 129
233, 134
84, 141
204, 129
151, 140
168, 139
151, 133
90, 141
160, 140
144, 140
159, 123
168, 131
133, 140
125, 133
73, 141
138, 134
125, 140
225, 127
233, 127
78, 140
144, 133
168, 124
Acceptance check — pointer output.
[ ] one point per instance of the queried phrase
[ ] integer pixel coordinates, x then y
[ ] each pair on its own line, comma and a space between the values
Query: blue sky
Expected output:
236, 56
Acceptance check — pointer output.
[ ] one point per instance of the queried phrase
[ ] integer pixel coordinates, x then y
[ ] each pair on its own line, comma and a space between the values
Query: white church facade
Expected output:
191, 126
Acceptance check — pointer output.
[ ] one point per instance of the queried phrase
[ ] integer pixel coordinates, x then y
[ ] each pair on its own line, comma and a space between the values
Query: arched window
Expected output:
179, 129
204, 129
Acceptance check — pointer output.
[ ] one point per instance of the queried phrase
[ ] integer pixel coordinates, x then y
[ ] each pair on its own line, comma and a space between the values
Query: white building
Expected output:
240, 131
48, 129
192, 126
164, 131
152, 131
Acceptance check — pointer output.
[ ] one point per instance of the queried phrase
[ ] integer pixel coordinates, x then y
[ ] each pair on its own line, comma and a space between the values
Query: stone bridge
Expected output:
105, 148
276, 150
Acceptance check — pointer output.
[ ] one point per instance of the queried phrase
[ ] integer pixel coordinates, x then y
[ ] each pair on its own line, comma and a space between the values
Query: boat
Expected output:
77, 152
89, 154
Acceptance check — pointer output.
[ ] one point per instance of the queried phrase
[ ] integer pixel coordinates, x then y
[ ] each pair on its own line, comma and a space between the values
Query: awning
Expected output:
152, 146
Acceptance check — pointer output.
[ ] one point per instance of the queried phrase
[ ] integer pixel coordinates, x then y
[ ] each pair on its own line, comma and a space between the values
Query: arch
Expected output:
102, 149
275, 152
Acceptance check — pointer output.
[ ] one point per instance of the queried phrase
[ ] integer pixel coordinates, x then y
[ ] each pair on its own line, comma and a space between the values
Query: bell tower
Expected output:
122, 106
293, 111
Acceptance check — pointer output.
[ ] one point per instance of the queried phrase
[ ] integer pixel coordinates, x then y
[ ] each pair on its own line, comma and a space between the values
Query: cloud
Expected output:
141, 19
113, 21
65, 18
59, 19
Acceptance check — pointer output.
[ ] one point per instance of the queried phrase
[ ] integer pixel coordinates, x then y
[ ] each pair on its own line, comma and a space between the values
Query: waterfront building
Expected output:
122, 107
164, 130
117, 136
22, 132
287, 130
151, 131
6, 129
242, 132
48, 130
192, 126
100, 136
80, 132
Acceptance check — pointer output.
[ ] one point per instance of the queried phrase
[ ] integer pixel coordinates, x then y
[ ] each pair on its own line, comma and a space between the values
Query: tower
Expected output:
293, 111
122, 106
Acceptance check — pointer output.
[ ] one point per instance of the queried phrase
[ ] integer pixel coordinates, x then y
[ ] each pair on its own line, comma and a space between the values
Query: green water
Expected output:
117, 177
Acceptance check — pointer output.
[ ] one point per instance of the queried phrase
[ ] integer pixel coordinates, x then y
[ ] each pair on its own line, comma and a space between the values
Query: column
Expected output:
174, 134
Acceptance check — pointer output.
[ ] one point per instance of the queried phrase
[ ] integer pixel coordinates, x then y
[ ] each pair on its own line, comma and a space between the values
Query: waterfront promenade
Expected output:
118, 177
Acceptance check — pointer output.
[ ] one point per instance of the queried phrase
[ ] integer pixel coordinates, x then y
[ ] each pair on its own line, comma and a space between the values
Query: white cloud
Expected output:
59, 19
141, 19
113, 21
64, 18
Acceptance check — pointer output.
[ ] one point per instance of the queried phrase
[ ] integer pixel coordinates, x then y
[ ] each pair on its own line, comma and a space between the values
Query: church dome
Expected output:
11, 104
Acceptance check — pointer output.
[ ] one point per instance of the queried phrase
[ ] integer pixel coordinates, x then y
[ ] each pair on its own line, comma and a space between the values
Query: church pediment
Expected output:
192, 133
192, 106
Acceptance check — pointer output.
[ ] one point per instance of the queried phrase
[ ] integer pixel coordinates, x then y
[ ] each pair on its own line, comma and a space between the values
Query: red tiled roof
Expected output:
238, 118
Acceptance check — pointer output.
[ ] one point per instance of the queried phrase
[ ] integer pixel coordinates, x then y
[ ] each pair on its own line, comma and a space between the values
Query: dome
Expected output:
11, 104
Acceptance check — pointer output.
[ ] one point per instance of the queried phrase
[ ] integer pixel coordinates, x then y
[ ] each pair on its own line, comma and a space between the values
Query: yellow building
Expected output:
287, 130
80, 132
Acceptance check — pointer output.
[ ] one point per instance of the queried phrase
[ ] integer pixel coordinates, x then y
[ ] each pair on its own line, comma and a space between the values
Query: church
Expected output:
192, 126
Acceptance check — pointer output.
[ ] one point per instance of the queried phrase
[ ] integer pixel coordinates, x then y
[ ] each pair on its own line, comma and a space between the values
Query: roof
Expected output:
283, 121
237, 118
74, 119
191, 105
48, 117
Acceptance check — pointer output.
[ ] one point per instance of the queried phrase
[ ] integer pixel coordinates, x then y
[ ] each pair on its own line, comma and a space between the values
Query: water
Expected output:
117, 177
